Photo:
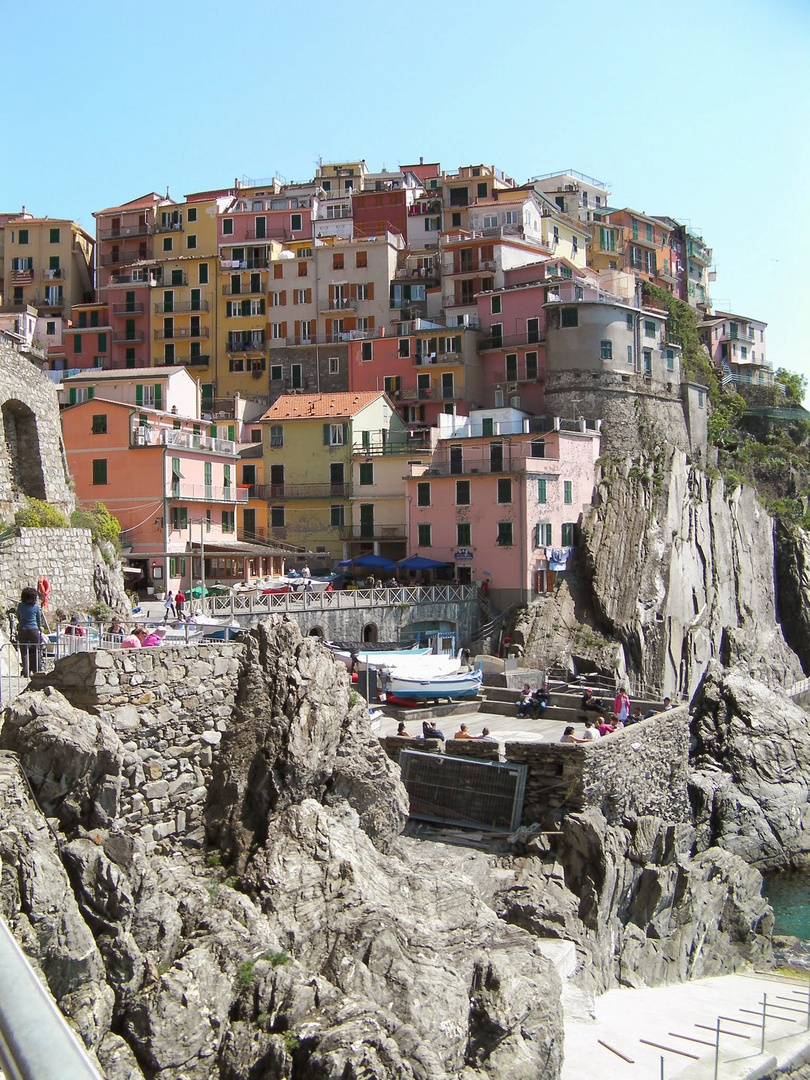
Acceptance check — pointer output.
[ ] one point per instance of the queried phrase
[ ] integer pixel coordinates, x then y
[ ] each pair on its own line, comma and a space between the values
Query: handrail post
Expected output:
764, 1007
717, 1049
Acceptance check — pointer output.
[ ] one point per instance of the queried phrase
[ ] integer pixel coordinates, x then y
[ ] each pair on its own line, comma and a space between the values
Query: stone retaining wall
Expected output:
63, 556
170, 708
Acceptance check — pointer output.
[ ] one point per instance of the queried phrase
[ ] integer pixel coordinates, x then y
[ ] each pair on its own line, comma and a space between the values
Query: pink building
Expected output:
502, 498
513, 332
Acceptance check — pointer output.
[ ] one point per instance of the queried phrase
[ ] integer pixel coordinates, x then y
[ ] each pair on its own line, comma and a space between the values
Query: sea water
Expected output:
789, 895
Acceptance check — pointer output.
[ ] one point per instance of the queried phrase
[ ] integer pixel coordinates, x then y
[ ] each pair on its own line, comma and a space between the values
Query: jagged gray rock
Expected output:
296, 734
751, 759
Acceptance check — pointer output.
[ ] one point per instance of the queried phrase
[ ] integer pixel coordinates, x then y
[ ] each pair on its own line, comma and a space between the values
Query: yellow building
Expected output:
309, 443
47, 263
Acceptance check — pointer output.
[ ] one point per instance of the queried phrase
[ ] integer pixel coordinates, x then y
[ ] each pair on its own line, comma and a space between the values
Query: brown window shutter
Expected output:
283, 297
371, 290
283, 329
371, 322
297, 325
309, 296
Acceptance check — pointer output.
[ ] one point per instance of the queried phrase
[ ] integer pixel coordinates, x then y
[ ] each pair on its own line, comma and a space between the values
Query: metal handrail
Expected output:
35, 1040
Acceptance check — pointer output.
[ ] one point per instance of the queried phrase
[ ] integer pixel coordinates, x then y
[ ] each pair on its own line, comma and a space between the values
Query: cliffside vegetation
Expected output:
761, 433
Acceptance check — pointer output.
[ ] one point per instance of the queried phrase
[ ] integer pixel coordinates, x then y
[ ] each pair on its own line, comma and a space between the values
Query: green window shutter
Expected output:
208, 474
176, 466
90, 392
245, 307
326, 429
232, 432
102, 342
139, 395
541, 491
73, 395
158, 396
345, 434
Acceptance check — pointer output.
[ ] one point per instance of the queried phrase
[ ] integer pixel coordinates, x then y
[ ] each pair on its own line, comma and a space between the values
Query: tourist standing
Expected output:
180, 602
169, 606
29, 631
621, 705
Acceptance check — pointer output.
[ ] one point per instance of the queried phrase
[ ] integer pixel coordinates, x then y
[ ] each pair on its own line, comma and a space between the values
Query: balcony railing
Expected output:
326, 339
255, 263
122, 258
206, 493
53, 275
128, 309
43, 301
126, 278
125, 231
438, 358
509, 341
181, 308
270, 492
245, 345
169, 226
131, 339
198, 360
182, 332
228, 290
339, 303
150, 436
414, 441
373, 532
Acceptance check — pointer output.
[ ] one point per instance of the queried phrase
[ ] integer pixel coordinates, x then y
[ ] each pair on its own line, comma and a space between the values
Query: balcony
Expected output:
326, 339
122, 258
181, 308
128, 309
154, 436
338, 303
169, 226
255, 263
244, 290
127, 279
43, 301
22, 277
181, 332
438, 358
199, 360
122, 232
206, 493
269, 492
373, 532
510, 341
381, 444
124, 339
245, 345
53, 275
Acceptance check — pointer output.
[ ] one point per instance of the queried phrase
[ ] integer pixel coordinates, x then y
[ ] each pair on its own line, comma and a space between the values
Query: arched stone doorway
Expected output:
370, 633
23, 450
315, 632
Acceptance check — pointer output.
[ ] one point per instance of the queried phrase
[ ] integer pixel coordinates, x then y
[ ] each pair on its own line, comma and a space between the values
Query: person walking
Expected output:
169, 606
29, 631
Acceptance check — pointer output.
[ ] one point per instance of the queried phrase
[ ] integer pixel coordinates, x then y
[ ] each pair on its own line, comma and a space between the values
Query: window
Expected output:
55, 235
650, 234
532, 331
568, 492
433, 224
99, 426
334, 434
179, 518
463, 534
191, 242
504, 490
22, 236
77, 343
227, 226
538, 448
167, 243
635, 257
542, 534
191, 213
629, 354
277, 517
495, 305
361, 259
102, 342
481, 190
228, 521
496, 333
541, 490
366, 351
276, 372
490, 221
423, 536
423, 494
277, 435
177, 566
504, 537
299, 296
202, 274
255, 435
462, 492
337, 261
296, 222
630, 320
99, 470
569, 317
701, 398
366, 471
337, 516
606, 350
670, 357
392, 384
568, 534
531, 365
363, 292
512, 217
50, 328
404, 347
334, 365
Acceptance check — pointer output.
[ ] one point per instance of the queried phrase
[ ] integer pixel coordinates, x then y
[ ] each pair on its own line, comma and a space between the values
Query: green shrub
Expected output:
37, 514
103, 527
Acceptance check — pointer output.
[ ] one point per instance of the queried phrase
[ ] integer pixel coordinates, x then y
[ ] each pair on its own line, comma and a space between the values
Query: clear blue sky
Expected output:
698, 110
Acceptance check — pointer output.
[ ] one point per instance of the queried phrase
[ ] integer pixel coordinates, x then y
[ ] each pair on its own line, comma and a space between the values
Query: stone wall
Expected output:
347, 624
640, 770
32, 460
169, 707
63, 556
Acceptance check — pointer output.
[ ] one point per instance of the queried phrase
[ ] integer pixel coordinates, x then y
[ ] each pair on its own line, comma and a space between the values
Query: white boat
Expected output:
287, 583
214, 629
368, 658
461, 684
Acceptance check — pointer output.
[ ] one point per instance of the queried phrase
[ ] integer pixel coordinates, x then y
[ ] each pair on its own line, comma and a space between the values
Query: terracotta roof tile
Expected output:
320, 406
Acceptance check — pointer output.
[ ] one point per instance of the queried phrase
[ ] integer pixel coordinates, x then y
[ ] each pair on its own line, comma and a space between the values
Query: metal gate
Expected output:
463, 791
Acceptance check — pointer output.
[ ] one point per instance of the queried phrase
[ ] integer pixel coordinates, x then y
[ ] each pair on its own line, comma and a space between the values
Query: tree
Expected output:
795, 384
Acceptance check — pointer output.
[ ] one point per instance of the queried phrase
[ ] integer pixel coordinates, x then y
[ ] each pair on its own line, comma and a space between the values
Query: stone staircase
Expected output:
565, 702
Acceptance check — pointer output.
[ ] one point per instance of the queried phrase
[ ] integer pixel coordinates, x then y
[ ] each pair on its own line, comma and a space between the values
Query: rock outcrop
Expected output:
750, 788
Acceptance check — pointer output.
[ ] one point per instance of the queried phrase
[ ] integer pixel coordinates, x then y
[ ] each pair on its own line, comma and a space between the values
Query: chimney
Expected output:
421, 160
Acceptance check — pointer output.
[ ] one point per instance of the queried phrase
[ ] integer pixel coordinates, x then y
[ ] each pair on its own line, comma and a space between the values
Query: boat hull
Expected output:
465, 684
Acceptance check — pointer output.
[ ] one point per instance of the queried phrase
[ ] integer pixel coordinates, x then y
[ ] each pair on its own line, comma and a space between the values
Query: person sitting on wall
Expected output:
485, 734
131, 640
430, 731
603, 727
540, 700
667, 705
636, 716
524, 702
569, 736
591, 702
402, 731
591, 731
462, 733
155, 638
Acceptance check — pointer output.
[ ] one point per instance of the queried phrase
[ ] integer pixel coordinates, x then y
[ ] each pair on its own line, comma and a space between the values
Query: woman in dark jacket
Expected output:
29, 631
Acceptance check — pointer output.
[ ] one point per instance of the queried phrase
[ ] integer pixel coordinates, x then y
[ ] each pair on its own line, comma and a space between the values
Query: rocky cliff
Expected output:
315, 939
